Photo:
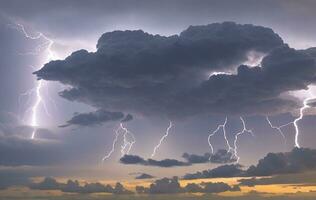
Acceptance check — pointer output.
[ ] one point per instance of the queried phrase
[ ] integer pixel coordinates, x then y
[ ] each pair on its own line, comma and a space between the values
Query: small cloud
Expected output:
144, 176
134, 159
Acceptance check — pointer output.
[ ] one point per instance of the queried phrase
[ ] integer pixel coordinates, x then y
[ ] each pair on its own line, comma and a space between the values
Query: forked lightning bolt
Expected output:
162, 139
117, 133
126, 146
278, 128
296, 120
46, 46
301, 114
244, 130
219, 127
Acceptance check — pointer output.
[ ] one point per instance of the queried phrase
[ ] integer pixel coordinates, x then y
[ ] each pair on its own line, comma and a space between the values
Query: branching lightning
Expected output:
223, 127
278, 128
126, 146
295, 122
117, 133
301, 114
162, 139
244, 130
45, 46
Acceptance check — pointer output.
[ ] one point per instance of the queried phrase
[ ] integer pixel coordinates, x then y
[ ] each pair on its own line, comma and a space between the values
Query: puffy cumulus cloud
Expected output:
134, 159
218, 172
218, 187
298, 160
221, 156
136, 72
165, 185
172, 185
144, 176
73, 186
96, 117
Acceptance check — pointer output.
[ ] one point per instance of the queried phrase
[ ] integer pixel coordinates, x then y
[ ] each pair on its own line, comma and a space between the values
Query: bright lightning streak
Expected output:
117, 133
305, 106
244, 130
47, 44
127, 145
223, 127
162, 139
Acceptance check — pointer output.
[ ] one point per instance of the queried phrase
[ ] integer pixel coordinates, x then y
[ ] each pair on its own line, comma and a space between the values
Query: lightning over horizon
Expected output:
162, 139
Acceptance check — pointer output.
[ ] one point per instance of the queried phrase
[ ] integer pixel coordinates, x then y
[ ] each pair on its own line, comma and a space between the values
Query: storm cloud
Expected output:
136, 72
94, 118
172, 185
296, 161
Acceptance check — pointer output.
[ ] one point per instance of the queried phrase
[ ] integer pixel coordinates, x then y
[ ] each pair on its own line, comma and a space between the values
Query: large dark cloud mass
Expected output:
298, 160
135, 72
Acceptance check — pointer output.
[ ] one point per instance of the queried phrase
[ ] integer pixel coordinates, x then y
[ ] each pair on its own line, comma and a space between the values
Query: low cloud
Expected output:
134, 159
220, 157
172, 185
73, 186
144, 176
298, 160
218, 172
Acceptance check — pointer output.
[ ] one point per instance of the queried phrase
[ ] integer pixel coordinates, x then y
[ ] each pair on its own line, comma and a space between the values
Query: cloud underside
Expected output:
136, 72
296, 161
220, 157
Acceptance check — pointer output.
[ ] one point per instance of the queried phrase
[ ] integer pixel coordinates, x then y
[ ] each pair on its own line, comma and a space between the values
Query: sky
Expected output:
112, 90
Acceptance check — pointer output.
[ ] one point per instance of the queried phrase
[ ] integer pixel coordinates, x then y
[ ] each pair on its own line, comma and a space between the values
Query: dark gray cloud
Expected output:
137, 160
221, 156
73, 186
94, 118
211, 187
165, 186
136, 72
172, 185
218, 172
144, 176
298, 160
127, 118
